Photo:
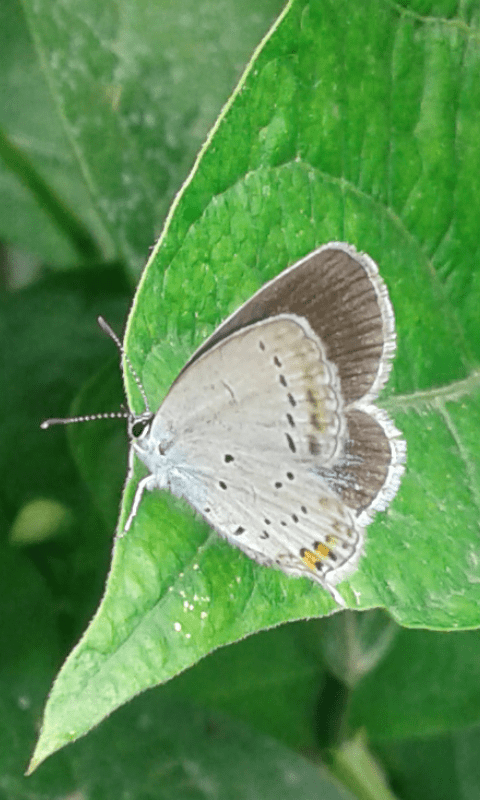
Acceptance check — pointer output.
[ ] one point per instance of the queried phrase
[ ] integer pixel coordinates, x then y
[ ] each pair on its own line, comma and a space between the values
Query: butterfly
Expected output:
270, 431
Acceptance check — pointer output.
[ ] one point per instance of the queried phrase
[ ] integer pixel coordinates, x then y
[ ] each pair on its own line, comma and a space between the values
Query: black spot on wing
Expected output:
291, 443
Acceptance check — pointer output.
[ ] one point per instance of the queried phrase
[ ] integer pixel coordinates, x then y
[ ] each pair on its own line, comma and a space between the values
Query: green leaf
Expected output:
44, 201
177, 750
440, 768
342, 128
101, 452
135, 93
436, 690
56, 344
273, 683
164, 748
51, 345
30, 649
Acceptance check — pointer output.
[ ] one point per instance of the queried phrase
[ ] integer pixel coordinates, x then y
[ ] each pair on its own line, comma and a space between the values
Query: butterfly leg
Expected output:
335, 594
146, 484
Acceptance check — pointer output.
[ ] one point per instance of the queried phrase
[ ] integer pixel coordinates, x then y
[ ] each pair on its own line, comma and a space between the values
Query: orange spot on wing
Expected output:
310, 559
321, 552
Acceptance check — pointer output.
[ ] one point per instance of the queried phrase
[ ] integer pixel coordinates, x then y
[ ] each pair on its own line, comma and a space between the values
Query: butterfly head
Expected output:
143, 443
140, 425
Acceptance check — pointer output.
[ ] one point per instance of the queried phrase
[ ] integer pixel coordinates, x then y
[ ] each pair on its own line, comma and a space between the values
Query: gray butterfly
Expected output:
270, 430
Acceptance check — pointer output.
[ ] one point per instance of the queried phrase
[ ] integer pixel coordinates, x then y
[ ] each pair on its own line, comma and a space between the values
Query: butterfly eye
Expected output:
139, 427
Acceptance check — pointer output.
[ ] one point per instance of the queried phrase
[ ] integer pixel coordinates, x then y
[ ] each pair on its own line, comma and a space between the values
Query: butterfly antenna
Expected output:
124, 414
106, 327
87, 418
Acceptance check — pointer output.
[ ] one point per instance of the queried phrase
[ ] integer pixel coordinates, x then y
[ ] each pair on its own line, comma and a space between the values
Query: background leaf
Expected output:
137, 88
194, 752
31, 126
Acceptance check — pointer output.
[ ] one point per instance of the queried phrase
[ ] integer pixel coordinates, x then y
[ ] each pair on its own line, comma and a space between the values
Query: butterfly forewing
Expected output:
343, 297
268, 386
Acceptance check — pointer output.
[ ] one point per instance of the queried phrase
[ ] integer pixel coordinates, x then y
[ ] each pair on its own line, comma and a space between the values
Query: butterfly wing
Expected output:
345, 300
256, 420
343, 297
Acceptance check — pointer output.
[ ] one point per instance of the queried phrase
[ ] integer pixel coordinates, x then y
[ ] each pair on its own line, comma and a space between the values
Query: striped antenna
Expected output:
109, 414
106, 327
87, 418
